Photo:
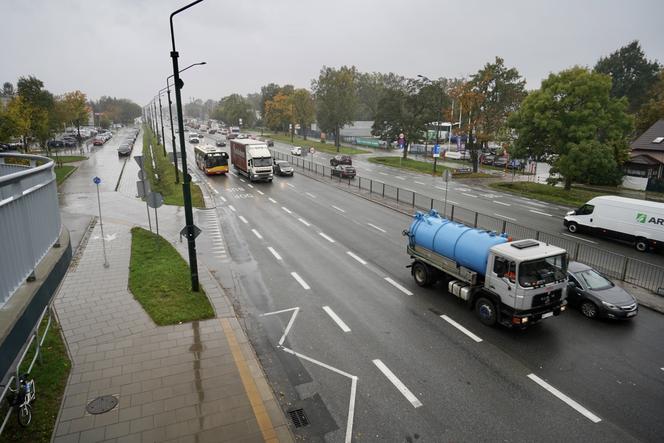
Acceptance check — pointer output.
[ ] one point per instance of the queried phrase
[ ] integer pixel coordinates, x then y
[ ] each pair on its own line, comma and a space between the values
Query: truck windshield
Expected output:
543, 271
263, 161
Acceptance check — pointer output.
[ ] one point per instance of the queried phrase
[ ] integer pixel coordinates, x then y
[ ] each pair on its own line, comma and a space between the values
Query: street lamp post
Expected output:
437, 123
170, 114
161, 117
186, 186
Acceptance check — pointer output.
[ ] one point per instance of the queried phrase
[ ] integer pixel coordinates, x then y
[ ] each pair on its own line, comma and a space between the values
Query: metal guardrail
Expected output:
627, 269
29, 217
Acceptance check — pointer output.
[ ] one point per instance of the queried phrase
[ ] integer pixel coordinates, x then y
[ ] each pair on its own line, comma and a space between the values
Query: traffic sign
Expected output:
142, 188
139, 160
447, 175
97, 180
436, 150
155, 200
196, 231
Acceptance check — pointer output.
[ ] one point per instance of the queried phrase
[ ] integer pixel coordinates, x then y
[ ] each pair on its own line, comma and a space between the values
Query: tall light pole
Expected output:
437, 122
190, 229
161, 117
170, 113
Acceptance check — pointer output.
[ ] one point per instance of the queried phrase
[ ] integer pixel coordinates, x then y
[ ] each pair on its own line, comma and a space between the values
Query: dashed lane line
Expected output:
257, 234
469, 195
338, 208
244, 220
304, 222
580, 238
580, 409
326, 237
397, 383
540, 213
276, 255
251, 186
290, 185
398, 286
232, 208
501, 203
344, 327
222, 198
300, 280
272, 200
310, 194
260, 192
376, 227
461, 328
286, 210
504, 216
359, 259
420, 183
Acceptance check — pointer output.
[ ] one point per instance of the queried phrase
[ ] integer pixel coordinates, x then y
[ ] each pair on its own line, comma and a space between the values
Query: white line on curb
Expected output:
331, 240
376, 227
398, 286
300, 280
344, 327
356, 257
397, 383
276, 255
257, 234
580, 409
461, 328
244, 220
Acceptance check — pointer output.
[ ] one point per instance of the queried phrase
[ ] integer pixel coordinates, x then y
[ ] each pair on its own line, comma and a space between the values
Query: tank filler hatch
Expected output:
523, 244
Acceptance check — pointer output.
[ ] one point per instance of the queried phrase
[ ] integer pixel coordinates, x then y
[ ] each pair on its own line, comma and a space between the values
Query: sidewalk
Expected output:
198, 381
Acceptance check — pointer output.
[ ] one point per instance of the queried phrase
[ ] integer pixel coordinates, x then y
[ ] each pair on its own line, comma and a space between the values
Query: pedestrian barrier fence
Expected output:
29, 217
627, 269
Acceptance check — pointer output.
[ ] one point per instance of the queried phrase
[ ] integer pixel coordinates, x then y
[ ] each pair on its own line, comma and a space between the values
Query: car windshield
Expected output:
593, 279
262, 161
543, 271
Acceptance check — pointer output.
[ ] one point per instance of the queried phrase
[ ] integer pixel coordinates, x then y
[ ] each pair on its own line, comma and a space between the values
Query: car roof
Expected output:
575, 266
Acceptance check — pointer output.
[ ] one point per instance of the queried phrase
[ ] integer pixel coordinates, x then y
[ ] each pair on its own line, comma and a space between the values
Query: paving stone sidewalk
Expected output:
195, 382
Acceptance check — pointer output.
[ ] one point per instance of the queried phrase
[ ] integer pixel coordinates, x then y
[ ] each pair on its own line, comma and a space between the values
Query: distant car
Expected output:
296, 150
596, 295
242, 135
341, 160
193, 140
220, 143
282, 167
516, 164
500, 162
124, 149
53, 144
487, 159
269, 142
343, 171
98, 141
212, 131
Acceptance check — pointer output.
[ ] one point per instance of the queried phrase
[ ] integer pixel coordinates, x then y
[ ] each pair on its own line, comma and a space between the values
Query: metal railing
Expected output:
29, 217
627, 269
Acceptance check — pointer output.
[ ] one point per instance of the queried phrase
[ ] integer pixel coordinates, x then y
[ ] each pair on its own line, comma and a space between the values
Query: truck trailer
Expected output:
513, 283
252, 158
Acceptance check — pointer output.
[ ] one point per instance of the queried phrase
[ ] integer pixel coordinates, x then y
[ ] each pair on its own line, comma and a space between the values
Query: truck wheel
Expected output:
485, 310
572, 227
641, 244
421, 274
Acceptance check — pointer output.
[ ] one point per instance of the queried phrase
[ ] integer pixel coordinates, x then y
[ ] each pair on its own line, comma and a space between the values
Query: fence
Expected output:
29, 217
627, 269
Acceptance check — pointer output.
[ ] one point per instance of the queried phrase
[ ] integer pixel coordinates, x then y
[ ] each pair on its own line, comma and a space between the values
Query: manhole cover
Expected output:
101, 404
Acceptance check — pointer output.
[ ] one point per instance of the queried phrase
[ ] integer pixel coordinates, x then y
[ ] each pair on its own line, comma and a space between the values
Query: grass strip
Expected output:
320, 147
165, 185
62, 172
68, 158
574, 197
422, 167
50, 379
159, 279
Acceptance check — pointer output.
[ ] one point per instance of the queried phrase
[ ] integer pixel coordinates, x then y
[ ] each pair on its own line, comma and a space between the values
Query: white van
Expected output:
640, 222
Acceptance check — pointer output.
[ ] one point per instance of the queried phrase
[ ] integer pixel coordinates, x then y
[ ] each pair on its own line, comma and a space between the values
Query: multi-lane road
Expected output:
319, 277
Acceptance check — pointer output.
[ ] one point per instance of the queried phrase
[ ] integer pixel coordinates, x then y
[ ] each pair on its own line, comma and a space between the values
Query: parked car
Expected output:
519, 165
282, 167
220, 143
296, 150
98, 141
343, 171
193, 139
53, 144
500, 162
487, 159
341, 160
596, 295
269, 142
124, 148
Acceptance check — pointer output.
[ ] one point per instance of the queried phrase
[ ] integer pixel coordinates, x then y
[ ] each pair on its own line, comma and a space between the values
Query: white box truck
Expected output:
252, 158
640, 222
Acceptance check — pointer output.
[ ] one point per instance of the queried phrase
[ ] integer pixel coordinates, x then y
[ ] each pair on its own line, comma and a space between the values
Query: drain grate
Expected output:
299, 418
101, 404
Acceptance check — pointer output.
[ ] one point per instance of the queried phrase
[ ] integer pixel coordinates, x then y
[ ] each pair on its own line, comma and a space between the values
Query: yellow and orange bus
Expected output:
211, 160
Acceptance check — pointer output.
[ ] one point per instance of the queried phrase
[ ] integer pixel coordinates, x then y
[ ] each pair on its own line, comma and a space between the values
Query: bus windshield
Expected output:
543, 271
212, 160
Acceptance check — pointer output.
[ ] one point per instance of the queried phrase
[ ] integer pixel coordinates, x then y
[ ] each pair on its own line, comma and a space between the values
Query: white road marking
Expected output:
260, 192
251, 186
338, 208
232, 208
420, 183
501, 203
243, 180
383, 173
461, 328
356, 257
310, 194
215, 191
286, 210
222, 198
257, 234
439, 187
580, 238
331, 240
272, 200
399, 177
397, 383
398, 286
580, 409
469, 195
232, 173
292, 186
376, 227
276, 255
532, 203
300, 280
541, 213
290, 322
244, 220
453, 202
344, 327
304, 222
504, 216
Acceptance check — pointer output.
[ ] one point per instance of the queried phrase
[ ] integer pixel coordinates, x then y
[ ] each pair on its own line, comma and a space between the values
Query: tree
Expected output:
304, 109
590, 162
653, 109
632, 74
7, 90
19, 116
234, 109
76, 109
572, 109
278, 112
370, 89
269, 91
37, 108
117, 110
336, 99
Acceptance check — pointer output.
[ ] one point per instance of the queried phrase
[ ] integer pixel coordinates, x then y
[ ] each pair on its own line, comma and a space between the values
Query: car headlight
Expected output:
609, 305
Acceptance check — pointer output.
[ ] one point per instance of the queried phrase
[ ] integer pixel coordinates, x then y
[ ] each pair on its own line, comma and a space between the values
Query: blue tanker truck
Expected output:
514, 283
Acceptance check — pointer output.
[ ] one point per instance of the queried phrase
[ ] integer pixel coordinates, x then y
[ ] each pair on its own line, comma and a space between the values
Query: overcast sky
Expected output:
121, 47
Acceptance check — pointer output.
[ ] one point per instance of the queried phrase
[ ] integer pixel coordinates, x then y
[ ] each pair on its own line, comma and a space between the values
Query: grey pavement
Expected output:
199, 381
